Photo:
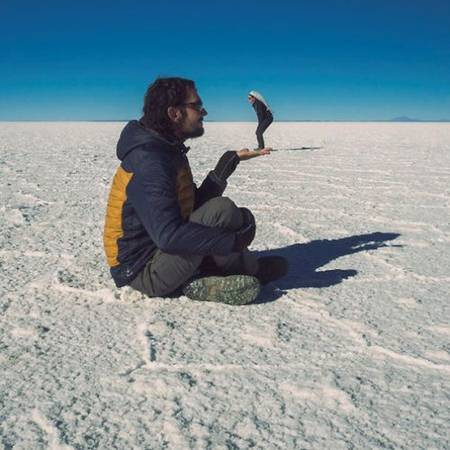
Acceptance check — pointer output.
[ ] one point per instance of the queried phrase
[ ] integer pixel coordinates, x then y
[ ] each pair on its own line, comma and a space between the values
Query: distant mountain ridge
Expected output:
409, 119
404, 119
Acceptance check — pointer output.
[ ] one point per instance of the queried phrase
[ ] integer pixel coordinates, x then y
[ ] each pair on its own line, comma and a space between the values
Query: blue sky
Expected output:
326, 60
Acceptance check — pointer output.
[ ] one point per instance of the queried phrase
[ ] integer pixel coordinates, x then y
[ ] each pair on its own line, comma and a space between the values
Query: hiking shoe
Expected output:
271, 268
233, 289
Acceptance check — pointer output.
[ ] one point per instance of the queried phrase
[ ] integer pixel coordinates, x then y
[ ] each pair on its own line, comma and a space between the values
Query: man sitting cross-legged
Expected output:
162, 233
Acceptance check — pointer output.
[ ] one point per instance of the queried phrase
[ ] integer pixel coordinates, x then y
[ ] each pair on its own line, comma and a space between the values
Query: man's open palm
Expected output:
245, 153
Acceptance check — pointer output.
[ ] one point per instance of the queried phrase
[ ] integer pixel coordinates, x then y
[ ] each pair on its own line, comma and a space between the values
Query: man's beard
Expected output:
197, 132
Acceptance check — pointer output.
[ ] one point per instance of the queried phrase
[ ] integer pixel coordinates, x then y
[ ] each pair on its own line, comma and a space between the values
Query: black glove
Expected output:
245, 235
226, 165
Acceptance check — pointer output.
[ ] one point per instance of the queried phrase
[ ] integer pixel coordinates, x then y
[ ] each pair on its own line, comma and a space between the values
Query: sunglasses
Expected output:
198, 106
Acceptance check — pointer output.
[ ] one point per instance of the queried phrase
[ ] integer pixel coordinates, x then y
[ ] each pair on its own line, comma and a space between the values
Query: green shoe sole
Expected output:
233, 289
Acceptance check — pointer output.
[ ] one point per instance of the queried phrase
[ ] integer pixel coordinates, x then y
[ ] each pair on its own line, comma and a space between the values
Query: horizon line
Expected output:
239, 121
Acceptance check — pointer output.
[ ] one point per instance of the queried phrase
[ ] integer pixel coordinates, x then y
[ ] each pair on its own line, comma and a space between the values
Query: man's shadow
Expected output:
305, 259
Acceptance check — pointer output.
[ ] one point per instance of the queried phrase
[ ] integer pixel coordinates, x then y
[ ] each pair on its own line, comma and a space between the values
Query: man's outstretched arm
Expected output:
215, 183
152, 193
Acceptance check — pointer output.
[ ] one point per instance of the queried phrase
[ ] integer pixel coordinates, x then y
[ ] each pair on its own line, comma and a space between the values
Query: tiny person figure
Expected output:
264, 114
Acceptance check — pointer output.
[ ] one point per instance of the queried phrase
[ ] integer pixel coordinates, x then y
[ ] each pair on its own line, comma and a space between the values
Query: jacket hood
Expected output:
135, 135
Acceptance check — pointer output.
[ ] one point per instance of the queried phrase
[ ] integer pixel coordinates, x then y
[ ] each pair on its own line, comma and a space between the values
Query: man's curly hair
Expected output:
161, 94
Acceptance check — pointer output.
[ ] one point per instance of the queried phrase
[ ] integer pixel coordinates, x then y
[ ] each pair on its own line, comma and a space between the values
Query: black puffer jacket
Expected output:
151, 199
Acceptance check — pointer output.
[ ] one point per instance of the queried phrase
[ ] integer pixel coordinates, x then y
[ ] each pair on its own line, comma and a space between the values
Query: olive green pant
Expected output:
165, 273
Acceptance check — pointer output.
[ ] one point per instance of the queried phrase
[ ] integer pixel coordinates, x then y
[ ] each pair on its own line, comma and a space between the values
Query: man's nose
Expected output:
204, 112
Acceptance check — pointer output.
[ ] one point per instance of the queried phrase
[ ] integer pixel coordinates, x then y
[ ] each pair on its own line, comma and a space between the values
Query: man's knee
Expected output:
219, 212
225, 208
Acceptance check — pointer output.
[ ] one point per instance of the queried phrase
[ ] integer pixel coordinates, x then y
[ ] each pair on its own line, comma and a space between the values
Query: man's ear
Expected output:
175, 114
